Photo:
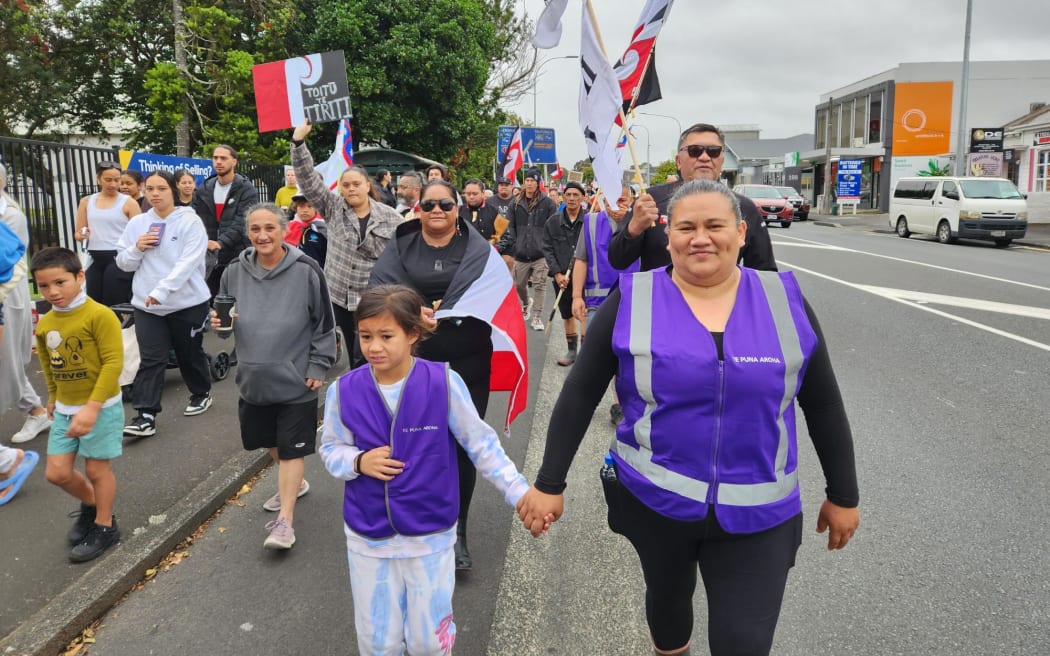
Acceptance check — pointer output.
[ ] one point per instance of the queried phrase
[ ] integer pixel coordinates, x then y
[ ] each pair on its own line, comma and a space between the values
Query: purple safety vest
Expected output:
698, 430
601, 276
424, 498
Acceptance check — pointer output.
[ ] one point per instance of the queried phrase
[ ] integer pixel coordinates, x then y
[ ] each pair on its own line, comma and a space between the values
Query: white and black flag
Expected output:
600, 103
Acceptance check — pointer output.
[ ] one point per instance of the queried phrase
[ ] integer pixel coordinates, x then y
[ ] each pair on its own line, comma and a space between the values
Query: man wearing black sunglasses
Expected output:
701, 155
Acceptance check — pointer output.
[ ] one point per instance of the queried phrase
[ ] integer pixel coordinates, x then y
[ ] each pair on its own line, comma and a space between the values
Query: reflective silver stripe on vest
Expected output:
641, 350
592, 232
600, 291
757, 494
729, 494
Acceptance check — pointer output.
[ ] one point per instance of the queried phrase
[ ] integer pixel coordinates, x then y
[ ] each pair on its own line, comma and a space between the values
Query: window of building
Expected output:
1042, 171
860, 122
845, 123
834, 126
875, 119
822, 126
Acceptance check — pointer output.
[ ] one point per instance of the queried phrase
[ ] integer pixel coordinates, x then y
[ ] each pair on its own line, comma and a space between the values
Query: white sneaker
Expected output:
537, 323
35, 424
527, 311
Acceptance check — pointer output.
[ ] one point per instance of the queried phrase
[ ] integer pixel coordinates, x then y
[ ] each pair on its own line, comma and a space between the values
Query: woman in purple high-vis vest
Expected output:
709, 359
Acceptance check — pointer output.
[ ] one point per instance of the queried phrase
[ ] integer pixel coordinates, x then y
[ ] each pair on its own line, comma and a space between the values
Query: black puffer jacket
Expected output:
524, 236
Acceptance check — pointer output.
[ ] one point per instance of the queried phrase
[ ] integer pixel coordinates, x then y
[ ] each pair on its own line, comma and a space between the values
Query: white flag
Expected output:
548, 27
599, 106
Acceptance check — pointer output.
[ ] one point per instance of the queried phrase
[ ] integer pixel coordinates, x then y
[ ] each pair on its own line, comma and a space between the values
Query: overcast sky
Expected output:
766, 62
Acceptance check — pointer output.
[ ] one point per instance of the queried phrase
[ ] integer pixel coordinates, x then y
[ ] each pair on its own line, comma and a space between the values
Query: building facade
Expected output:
904, 121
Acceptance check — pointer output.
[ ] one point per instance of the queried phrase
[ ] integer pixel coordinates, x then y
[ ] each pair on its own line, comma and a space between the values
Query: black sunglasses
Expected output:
696, 151
105, 165
446, 204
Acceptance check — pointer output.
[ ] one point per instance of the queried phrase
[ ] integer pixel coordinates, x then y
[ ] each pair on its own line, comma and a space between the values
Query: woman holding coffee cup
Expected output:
282, 307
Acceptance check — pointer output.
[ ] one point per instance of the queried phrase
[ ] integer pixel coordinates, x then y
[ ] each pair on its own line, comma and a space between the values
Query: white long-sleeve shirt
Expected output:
173, 272
338, 451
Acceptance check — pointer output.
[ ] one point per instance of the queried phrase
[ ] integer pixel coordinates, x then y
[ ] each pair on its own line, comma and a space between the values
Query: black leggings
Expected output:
105, 281
744, 575
348, 326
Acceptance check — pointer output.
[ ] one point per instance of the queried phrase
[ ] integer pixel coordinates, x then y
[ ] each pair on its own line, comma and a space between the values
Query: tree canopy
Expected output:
423, 77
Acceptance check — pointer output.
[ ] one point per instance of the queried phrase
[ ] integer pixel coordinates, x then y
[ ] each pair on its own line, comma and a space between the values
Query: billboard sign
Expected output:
984, 165
1042, 138
986, 140
847, 187
538, 144
922, 117
149, 162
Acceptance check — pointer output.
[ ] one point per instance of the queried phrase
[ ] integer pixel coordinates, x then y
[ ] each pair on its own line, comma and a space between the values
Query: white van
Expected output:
950, 208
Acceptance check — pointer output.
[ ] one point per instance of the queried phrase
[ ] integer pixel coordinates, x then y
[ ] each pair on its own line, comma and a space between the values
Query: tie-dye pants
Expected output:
403, 603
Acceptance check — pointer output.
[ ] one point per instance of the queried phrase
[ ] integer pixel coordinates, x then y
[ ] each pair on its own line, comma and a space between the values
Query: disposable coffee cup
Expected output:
223, 305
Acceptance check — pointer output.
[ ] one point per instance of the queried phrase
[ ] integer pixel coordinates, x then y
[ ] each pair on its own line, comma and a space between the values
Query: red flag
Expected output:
635, 61
492, 298
513, 158
559, 173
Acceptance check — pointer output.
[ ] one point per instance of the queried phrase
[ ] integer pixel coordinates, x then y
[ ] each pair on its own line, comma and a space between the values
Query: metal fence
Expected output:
47, 180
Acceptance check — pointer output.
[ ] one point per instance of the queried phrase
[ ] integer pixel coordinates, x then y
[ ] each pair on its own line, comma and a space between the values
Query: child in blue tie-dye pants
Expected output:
390, 431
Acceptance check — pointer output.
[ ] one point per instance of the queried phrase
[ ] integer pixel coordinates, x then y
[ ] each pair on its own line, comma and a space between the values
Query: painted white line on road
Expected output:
925, 264
924, 308
826, 247
960, 301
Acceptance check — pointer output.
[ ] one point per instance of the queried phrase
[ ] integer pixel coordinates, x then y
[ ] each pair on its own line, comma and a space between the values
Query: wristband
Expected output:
298, 142
357, 462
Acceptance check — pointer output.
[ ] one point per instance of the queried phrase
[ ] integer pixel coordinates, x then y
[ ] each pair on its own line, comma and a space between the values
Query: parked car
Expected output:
797, 200
771, 204
971, 208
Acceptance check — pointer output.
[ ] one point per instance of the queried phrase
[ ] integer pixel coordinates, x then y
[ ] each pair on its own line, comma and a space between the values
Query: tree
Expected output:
417, 71
664, 169
476, 158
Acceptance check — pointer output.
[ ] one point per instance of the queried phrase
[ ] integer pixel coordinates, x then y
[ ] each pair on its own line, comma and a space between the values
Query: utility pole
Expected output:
182, 130
964, 90
825, 207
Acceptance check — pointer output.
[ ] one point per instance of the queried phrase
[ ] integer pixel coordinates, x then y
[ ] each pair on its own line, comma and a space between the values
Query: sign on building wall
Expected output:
986, 140
922, 116
984, 165
847, 187
1042, 138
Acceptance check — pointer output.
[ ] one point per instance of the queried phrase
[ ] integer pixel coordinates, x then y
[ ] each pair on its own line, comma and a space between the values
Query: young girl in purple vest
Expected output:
390, 431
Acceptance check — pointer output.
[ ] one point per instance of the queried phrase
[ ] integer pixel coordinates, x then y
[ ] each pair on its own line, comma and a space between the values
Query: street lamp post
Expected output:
536, 77
676, 122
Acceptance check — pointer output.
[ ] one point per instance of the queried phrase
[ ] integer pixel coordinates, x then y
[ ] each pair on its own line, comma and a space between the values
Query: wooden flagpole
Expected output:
623, 118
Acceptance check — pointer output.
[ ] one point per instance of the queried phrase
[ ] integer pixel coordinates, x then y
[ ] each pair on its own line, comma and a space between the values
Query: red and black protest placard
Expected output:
290, 90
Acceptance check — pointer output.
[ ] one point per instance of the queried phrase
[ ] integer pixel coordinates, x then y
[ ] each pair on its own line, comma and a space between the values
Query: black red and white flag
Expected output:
290, 90
342, 156
636, 69
481, 287
557, 175
513, 159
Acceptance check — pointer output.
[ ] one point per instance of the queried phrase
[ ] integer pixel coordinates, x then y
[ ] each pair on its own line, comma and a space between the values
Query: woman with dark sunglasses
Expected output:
101, 219
439, 256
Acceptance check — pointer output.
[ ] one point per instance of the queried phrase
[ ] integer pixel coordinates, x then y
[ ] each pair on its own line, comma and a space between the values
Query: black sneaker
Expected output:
85, 519
198, 404
99, 538
615, 414
144, 425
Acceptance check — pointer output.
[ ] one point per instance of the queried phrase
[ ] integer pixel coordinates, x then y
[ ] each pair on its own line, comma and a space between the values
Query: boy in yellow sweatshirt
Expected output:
80, 349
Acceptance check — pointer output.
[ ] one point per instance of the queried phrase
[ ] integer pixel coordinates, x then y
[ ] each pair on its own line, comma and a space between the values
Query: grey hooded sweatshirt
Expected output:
285, 328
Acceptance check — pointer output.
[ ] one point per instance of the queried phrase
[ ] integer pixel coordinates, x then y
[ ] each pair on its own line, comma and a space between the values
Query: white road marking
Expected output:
874, 290
925, 264
959, 301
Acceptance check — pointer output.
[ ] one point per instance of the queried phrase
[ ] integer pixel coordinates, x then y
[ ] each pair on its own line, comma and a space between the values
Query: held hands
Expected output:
645, 215
377, 463
843, 523
538, 511
302, 131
